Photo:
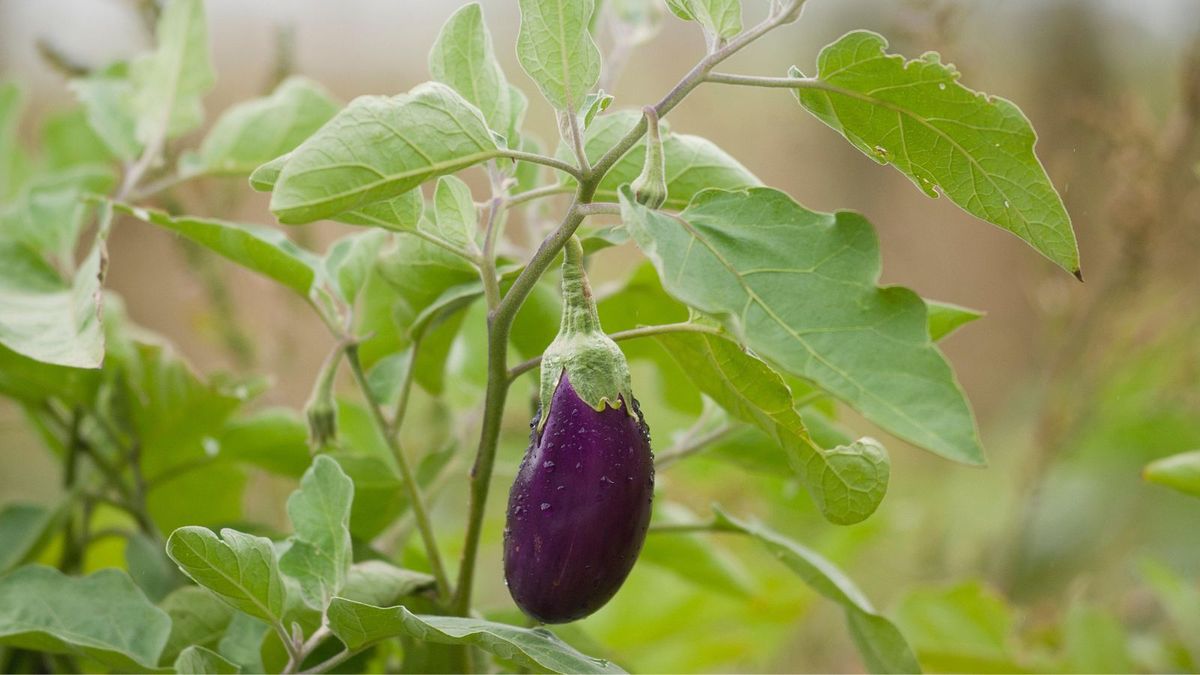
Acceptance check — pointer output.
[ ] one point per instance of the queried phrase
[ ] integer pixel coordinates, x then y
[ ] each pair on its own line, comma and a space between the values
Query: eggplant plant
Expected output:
772, 312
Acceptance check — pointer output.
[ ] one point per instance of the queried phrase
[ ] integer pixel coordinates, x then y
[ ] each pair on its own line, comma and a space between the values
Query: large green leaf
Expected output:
719, 18
462, 58
197, 618
380, 147
47, 215
356, 624
882, 646
257, 131
1180, 472
974, 148
798, 287
847, 482
203, 661
556, 49
692, 163
240, 568
260, 249
45, 319
169, 82
102, 616
320, 553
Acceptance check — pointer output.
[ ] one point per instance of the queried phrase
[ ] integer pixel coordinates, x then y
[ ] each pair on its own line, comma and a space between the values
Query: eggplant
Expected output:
580, 507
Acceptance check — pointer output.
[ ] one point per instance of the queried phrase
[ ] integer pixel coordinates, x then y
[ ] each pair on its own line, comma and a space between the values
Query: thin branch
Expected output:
535, 158
642, 331
538, 193
770, 82
600, 209
686, 528
690, 446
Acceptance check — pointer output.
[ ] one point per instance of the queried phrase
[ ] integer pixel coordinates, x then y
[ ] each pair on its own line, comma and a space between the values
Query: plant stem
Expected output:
691, 446
535, 158
487, 261
685, 528
600, 209
416, 500
537, 193
641, 331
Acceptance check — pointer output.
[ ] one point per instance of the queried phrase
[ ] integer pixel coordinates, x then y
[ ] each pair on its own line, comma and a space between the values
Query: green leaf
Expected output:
257, 131
274, 439
320, 554
240, 568
692, 163
197, 618
454, 212
107, 100
945, 318
356, 625
556, 49
349, 260
23, 527
798, 287
169, 83
882, 646
963, 628
46, 320
719, 18
1179, 472
14, 164
243, 642
69, 141
400, 214
695, 559
378, 148
47, 215
202, 661
1180, 599
462, 58
102, 616
260, 249
1095, 642
974, 148
847, 482
378, 583
150, 568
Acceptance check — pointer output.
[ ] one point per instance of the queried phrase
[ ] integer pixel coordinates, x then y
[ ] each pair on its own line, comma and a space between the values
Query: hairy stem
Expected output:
416, 500
534, 158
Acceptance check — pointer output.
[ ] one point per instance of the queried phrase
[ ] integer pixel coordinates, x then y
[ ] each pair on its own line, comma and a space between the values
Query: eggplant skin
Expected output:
579, 509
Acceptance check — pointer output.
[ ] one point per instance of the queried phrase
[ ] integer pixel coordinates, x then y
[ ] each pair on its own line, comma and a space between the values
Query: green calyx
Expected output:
594, 364
650, 187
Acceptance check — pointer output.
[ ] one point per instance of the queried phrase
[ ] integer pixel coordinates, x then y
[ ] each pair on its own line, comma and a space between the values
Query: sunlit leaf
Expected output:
719, 18
462, 58
974, 148
378, 148
102, 616
107, 100
356, 624
320, 553
556, 49
882, 646
47, 214
1180, 472
799, 287
257, 131
240, 568
945, 318
169, 82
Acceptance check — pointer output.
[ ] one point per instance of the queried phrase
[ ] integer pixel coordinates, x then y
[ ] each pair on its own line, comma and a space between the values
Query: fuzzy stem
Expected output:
579, 307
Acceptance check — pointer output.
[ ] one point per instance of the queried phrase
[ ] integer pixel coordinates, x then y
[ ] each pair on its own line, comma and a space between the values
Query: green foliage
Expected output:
462, 58
1179, 472
320, 554
721, 19
556, 49
203, 661
974, 148
240, 568
169, 82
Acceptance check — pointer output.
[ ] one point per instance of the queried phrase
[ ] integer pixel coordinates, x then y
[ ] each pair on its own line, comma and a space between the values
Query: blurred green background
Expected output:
1056, 557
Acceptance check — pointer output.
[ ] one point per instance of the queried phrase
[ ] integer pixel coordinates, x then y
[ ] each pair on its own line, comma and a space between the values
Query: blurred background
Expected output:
1056, 557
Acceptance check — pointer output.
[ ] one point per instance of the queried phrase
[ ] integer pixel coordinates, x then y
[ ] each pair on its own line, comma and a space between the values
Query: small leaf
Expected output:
240, 568
273, 439
356, 625
378, 148
847, 482
1179, 472
320, 554
974, 148
349, 260
721, 19
694, 558
69, 141
23, 529
462, 58
945, 318
243, 643
102, 616
556, 49
454, 212
47, 214
169, 83
379, 583
257, 131
882, 646
107, 100
798, 287
197, 618
150, 568
45, 319
260, 249
202, 661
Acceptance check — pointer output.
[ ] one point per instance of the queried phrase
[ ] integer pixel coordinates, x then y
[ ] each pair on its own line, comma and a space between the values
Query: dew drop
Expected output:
545, 506
548, 464
1006, 203
942, 85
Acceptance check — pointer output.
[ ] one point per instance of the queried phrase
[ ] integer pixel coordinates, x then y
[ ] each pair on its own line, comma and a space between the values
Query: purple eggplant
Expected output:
580, 506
